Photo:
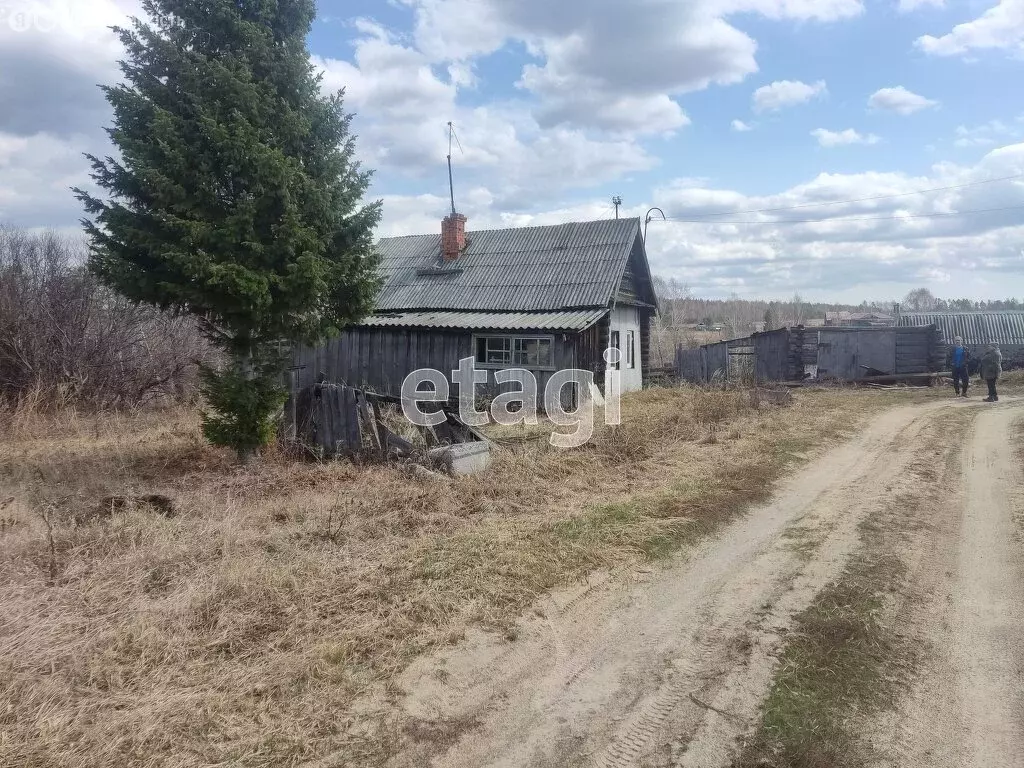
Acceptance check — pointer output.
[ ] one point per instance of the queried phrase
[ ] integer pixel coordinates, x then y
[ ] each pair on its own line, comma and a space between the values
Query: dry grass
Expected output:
244, 628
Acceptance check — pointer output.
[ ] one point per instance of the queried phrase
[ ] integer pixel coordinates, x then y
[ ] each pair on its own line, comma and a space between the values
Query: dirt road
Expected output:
670, 669
967, 706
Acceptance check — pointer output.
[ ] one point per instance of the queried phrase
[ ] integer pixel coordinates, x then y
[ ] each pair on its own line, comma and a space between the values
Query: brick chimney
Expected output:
453, 236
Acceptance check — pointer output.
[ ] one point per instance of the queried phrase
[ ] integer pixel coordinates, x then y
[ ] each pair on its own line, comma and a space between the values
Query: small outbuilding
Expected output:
542, 298
978, 330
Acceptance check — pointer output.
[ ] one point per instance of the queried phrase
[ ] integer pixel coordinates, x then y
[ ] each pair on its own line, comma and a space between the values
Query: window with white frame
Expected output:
630, 351
515, 351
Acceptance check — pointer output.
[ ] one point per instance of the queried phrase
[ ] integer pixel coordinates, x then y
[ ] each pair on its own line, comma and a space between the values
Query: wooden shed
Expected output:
538, 298
795, 354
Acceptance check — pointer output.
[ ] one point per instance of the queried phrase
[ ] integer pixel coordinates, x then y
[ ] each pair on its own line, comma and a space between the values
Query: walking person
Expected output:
991, 367
959, 360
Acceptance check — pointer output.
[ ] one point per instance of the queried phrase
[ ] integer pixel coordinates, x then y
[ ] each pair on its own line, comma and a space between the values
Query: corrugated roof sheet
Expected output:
566, 266
576, 320
976, 328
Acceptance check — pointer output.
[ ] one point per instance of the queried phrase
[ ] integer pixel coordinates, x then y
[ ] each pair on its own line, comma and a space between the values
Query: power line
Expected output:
862, 199
845, 219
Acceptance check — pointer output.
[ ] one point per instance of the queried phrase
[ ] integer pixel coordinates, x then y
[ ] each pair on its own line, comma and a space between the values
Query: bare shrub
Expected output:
65, 340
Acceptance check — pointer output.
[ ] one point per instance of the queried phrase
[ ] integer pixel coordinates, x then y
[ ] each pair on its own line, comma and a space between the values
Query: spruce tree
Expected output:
236, 196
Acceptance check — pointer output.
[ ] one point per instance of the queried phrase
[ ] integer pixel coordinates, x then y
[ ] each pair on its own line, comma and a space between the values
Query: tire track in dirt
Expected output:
652, 664
966, 707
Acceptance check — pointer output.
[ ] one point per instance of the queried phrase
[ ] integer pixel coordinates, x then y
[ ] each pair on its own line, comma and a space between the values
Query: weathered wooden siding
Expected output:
849, 355
716, 360
789, 354
645, 343
772, 356
590, 346
379, 359
690, 364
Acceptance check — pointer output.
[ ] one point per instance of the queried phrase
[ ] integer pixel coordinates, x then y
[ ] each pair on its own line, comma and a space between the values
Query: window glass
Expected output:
499, 351
515, 351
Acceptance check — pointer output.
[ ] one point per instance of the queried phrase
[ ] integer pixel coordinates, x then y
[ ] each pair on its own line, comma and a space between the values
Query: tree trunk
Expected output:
246, 454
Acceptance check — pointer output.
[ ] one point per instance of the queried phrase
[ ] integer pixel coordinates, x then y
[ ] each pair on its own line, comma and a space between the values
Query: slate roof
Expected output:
571, 320
527, 269
976, 328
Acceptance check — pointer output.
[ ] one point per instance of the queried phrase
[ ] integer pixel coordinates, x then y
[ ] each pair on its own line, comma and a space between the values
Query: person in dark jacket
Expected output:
959, 361
991, 367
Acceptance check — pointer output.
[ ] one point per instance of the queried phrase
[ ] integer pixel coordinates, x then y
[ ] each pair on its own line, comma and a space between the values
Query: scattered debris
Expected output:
463, 458
337, 420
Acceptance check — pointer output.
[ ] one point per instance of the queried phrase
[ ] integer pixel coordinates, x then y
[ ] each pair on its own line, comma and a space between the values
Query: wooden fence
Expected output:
796, 354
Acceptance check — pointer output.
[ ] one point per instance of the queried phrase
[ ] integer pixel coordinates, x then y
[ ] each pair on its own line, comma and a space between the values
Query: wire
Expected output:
843, 219
456, 136
863, 199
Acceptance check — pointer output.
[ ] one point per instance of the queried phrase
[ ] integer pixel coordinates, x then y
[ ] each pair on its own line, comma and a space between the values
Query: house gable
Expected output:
637, 285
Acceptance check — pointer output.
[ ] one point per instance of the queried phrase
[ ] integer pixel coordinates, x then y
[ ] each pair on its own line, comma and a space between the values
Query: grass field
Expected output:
250, 623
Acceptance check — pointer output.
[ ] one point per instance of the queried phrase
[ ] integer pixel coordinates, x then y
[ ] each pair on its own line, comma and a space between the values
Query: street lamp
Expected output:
648, 219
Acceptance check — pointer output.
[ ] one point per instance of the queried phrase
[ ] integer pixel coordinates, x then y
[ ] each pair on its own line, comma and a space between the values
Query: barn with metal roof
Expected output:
543, 298
978, 330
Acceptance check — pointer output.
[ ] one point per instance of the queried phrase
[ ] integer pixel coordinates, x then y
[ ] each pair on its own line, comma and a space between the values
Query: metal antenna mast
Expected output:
616, 201
451, 179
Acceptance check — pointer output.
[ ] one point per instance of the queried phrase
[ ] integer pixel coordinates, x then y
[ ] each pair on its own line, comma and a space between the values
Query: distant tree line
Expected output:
922, 300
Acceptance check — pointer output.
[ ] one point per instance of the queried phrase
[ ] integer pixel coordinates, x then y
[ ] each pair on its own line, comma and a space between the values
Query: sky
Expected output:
847, 150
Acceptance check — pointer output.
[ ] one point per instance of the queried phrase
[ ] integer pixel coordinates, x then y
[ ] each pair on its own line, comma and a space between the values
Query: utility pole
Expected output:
616, 201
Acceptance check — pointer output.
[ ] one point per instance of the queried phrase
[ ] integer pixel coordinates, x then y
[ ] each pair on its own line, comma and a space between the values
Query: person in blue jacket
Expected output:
959, 360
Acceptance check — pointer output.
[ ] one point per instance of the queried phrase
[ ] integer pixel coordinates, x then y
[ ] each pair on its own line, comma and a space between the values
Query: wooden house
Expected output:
541, 298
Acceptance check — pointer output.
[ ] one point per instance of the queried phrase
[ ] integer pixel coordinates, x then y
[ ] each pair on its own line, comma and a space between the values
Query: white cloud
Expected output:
908, 6
827, 138
740, 127
403, 107
608, 65
36, 176
803, 10
899, 100
52, 55
786, 93
848, 247
1000, 27
985, 135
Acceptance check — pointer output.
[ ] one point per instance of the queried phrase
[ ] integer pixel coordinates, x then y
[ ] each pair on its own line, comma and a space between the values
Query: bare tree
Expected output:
920, 300
669, 328
67, 339
797, 311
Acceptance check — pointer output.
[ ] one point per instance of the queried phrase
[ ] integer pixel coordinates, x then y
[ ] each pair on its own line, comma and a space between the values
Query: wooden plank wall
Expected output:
785, 354
690, 364
914, 349
379, 359
772, 356
645, 344
716, 359
843, 354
